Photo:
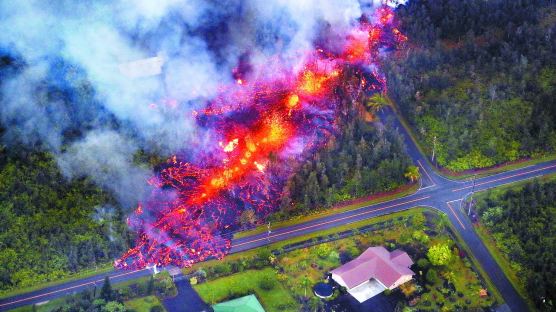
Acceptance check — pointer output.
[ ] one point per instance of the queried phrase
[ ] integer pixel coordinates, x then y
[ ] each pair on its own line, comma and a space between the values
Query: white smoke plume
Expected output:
107, 117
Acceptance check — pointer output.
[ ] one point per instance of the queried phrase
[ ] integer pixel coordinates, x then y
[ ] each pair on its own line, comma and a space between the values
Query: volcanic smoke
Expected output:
260, 129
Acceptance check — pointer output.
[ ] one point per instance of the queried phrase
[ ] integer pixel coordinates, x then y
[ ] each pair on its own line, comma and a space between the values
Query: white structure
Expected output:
142, 68
374, 271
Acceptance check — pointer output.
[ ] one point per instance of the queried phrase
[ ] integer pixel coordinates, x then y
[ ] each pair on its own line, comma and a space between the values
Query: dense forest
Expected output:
477, 79
50, 228
522, 223
363, 158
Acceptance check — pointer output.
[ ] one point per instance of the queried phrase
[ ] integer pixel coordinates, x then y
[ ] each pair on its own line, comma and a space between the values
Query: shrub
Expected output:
334, 256
421, 237
353, 251
423, 263
323, 250
157, 308
440, 254
193, 280
223, 269
267, 282
432, 276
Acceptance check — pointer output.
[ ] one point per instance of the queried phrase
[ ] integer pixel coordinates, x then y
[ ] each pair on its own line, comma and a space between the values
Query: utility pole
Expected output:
472, 191
268, 232
433, 149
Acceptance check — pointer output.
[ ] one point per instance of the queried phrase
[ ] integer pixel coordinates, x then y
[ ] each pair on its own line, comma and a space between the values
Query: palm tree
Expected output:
376, 102
412, 173
305, 283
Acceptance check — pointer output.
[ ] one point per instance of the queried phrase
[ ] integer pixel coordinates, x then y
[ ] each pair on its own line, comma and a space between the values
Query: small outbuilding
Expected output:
244, 304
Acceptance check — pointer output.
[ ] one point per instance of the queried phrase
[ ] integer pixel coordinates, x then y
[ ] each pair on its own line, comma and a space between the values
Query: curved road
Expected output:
436, 191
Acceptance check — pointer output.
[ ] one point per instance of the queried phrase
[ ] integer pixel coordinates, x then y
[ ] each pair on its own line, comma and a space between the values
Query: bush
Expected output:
423, 263
432, 276
267, 282
193, 281
323, 250
222, 269
157, 308
353, 251
421, 237
334, 256
440, 254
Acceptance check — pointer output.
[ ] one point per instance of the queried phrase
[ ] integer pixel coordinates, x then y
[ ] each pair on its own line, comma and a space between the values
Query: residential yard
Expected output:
449, 287
274, 297
144, 304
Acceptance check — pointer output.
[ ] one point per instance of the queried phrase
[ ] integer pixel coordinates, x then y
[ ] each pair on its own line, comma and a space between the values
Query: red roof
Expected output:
378, 263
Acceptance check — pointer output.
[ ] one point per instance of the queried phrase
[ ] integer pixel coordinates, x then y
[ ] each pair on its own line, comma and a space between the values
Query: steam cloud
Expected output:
100, 118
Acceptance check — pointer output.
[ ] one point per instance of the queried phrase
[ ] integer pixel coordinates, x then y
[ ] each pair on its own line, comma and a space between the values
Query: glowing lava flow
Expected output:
259, 131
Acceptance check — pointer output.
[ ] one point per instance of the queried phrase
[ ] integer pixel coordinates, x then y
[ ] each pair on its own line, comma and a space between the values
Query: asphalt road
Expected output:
435, 191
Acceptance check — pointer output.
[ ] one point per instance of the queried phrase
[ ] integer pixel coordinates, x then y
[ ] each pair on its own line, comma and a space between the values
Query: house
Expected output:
244, 304
374, 271
142, 68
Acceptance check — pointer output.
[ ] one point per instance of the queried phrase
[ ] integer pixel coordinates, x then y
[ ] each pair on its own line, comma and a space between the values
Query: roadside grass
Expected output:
59, 302
245, 283
107, 267
518, 164
490, 243
477, 265
143, 304
399, 193
45, 307
504, 264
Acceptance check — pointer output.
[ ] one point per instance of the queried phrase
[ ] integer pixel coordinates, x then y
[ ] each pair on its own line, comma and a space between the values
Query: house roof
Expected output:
142, 68
244, 304
378, 263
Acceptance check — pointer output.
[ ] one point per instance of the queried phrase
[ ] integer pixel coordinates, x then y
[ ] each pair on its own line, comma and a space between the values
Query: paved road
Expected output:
436, 191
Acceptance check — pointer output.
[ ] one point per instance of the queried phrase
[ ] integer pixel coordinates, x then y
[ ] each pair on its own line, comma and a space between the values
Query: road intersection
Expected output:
435, 191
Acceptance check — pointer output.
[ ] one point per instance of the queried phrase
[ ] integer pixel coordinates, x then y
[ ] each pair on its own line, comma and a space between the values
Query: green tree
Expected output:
440, 254
412, 173
432, 276
376, 102
267, 282
106, 292
113, 306
150, 285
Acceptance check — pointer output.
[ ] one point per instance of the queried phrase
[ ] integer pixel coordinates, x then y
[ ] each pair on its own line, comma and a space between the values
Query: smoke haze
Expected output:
96, 119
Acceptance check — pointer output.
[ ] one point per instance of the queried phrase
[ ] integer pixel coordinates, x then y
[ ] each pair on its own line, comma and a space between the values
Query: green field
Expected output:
245, 283
143, 304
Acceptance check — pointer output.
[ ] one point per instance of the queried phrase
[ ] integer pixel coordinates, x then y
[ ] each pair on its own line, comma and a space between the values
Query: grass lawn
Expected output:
400, 192
107, 267
143, 304
46, 307
245, 283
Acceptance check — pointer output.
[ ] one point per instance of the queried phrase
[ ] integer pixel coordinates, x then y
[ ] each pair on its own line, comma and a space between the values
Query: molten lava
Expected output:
260, 130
